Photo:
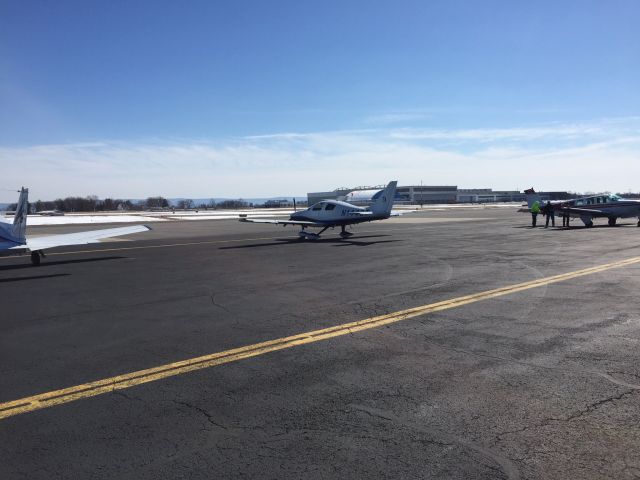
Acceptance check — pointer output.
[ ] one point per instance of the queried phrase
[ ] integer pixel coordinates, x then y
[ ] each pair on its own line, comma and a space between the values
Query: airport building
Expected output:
427, 194
404, 194
487, 195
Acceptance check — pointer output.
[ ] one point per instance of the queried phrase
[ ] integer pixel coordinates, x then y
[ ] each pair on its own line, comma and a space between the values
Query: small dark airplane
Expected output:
608, 206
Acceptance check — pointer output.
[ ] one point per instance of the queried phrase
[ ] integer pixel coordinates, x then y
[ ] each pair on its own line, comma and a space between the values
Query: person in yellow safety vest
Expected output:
535, 210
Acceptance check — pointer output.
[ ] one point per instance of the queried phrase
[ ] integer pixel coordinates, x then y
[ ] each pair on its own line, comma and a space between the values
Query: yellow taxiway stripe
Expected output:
86, 390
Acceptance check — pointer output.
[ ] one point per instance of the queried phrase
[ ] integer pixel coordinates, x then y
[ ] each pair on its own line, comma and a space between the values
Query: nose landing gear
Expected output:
310, 236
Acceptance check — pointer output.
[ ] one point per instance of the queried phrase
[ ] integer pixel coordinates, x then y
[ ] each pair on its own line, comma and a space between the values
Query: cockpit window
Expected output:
330, 206
614, 198
317, 206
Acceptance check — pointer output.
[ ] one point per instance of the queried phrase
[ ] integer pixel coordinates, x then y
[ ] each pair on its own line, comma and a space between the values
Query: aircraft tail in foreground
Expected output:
15, 232
13, 235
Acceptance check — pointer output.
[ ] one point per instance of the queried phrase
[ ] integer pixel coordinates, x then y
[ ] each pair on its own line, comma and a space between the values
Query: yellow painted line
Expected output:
86, 390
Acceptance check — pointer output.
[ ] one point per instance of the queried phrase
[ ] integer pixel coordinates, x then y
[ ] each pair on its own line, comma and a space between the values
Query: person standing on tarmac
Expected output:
535, 210
548, 211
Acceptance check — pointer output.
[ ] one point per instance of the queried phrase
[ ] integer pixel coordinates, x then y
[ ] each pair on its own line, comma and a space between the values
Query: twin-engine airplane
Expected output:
333, 213
586, 209
12, 235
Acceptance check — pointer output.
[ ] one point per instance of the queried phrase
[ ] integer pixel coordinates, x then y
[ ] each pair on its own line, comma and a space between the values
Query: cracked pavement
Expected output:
538, 384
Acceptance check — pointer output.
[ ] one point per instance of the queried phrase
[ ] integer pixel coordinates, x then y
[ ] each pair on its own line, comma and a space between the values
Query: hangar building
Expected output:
427, 194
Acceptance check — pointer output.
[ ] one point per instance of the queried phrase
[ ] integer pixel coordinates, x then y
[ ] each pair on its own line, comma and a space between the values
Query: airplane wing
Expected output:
79, 238
584, 212
280, 222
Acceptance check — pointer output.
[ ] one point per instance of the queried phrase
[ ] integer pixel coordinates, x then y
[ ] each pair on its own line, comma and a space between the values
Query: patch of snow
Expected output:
77, 219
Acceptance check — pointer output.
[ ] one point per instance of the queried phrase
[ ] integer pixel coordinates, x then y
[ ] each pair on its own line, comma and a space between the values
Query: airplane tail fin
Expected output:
531, 196
16, 231
383, 200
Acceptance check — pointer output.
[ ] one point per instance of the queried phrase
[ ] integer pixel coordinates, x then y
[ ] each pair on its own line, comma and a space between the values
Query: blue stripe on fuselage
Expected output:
336, 222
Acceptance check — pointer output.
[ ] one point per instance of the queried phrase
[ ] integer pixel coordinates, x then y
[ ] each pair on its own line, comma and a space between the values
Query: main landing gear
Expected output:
612, 221
345, 234
36, 256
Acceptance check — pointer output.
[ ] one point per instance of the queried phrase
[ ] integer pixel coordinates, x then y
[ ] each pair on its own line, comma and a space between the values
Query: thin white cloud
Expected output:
597, 156
502, 134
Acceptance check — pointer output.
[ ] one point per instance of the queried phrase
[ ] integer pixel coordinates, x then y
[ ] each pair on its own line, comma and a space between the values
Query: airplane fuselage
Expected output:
620, 209
335, 213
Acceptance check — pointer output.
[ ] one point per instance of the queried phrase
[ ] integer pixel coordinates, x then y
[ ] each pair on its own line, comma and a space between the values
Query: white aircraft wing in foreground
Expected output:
12, 235
80, 238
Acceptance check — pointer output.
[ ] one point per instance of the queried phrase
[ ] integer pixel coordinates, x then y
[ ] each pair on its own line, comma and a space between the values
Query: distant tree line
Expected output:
186, 204
92, 203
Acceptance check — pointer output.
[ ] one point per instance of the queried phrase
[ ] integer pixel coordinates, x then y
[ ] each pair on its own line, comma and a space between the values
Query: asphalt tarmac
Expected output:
501, 370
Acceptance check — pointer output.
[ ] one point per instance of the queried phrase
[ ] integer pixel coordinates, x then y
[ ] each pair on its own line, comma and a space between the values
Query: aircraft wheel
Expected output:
612, 222
639, 223
590, 224
35, 258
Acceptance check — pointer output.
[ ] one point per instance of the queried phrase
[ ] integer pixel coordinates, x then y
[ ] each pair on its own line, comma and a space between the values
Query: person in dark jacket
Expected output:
548, 211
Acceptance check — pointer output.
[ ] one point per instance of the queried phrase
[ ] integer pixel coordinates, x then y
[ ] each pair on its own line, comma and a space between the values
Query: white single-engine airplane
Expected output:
12, 235
334, 213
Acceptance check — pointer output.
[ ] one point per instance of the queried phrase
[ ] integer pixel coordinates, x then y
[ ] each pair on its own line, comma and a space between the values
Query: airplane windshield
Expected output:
317, 206
614, 198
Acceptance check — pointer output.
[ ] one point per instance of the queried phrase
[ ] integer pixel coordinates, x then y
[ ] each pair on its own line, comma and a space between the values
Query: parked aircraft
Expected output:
608, 206
333, 213
12, 235
50, 213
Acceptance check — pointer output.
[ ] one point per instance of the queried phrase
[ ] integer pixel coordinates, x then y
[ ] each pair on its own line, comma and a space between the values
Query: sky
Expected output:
256, 99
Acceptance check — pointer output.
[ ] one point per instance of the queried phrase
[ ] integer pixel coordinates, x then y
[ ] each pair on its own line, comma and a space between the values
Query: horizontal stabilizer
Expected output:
363, 213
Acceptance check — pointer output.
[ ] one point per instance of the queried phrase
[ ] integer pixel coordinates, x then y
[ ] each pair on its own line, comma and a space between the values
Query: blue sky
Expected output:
267, 98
